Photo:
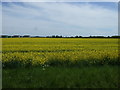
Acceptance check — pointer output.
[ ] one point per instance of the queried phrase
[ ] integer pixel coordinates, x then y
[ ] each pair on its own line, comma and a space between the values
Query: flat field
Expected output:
60, 62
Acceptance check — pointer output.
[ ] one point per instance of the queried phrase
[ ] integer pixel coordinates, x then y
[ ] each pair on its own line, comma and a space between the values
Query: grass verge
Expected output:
62, 77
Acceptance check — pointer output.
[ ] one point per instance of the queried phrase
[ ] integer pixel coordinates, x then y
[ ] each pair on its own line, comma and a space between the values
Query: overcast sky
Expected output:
66, 19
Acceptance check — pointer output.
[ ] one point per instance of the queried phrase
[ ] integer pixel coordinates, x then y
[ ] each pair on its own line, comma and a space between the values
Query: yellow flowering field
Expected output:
25, 52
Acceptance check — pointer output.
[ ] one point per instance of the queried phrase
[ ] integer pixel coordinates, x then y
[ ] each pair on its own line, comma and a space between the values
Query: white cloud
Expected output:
60, 19
60, 0
0, 18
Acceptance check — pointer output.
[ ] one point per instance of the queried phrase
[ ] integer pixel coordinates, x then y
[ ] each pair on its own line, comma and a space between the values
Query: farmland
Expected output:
80, 62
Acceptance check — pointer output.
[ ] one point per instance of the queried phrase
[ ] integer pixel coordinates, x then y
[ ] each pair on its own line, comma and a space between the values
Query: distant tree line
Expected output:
55, 36
14, 36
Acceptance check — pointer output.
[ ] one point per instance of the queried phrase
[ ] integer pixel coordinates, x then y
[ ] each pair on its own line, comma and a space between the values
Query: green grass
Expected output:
62, 77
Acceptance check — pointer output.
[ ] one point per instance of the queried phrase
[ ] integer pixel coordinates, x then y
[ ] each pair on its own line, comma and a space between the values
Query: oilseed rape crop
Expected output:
27, 52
